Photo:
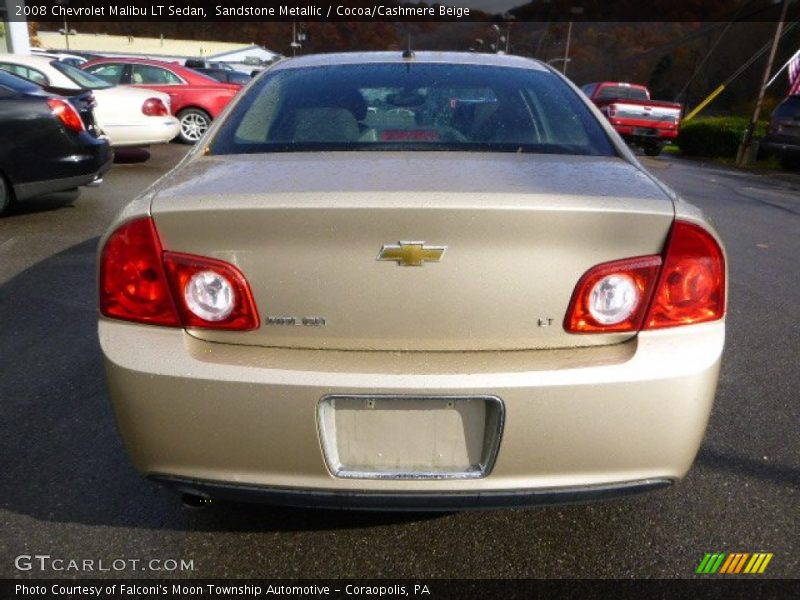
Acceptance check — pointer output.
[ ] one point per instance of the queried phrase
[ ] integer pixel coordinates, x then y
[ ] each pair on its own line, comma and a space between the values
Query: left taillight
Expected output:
67, 114
154, 107
140, 282
683, 286
133, 283
210, 293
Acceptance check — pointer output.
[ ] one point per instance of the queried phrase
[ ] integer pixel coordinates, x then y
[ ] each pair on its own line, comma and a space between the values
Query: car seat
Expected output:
325, 124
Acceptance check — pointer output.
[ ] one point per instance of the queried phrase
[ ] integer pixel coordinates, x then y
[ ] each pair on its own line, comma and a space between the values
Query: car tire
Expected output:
790, 163
5, 195
194, 123
653, 149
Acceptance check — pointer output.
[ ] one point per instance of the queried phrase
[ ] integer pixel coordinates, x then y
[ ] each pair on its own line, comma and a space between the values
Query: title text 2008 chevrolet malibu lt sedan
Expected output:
421, 281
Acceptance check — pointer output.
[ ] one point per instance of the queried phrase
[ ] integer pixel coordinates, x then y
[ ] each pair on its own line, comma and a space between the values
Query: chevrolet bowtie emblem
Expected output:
411, 254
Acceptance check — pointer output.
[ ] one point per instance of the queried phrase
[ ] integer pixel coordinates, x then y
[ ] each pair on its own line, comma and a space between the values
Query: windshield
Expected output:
622, 91
81, 78
380, 106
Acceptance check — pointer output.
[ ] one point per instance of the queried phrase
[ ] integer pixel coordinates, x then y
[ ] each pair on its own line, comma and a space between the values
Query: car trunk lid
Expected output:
517, 232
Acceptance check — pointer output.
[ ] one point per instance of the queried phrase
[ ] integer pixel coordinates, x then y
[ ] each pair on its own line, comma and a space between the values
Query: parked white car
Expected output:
70, 59
128, 116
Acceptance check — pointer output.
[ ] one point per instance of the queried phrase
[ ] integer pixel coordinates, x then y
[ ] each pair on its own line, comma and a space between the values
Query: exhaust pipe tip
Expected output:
195, 500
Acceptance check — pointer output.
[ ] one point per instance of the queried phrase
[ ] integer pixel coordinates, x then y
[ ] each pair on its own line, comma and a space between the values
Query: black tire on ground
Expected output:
653, 149
790, 163
194, 123
5, 195
128, 155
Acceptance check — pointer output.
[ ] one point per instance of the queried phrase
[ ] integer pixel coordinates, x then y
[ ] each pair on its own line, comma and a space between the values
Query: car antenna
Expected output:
408, 53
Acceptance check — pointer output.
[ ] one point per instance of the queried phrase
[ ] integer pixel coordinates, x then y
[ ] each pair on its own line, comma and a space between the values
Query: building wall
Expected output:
16, 33
18, 40
240, 55
3, 27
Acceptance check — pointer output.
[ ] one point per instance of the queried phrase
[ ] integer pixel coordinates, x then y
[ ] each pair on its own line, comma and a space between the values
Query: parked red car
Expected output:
196, 99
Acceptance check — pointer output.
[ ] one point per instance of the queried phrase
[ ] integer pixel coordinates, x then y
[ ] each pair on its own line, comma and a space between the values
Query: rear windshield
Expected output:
622, 91
411, 107
18, 84
83, 79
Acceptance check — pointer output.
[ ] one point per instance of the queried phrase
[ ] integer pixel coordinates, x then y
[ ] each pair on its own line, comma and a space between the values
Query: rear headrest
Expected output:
348, 98
325, 124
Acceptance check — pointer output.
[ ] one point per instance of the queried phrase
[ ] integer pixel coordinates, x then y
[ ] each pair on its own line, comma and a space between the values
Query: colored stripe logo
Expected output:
734, 563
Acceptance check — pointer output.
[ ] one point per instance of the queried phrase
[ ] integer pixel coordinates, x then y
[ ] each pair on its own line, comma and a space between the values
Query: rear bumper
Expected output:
629, 132
782, 145
153, 130
91, 162
24, 191
400, 501
581, 423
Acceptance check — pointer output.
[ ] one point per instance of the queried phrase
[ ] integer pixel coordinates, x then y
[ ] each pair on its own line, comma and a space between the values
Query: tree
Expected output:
659, 87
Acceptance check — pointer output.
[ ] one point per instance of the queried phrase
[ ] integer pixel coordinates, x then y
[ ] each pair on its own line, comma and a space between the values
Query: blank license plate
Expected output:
404, 437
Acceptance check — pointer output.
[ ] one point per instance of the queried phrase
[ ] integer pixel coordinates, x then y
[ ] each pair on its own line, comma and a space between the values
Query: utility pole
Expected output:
745, 155
66, 32
575, 10
298, 37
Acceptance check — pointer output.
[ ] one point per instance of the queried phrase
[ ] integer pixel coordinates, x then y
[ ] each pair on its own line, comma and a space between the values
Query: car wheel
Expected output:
790, 163
194, 123
5, 195
652, 149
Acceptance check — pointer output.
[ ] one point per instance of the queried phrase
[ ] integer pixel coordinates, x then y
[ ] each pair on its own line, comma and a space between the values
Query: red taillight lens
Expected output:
210, 293
686, 286
133, 285
67, 114
613, 296
142, 283
691, 288
154, 107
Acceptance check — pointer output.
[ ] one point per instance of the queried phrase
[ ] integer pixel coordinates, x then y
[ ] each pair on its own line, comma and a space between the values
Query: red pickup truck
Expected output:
638, 119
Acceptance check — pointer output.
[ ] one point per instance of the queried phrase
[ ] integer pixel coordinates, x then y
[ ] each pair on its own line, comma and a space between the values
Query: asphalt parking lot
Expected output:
68, 490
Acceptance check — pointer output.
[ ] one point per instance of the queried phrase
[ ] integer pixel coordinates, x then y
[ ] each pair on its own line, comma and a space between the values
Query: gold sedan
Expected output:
433, 280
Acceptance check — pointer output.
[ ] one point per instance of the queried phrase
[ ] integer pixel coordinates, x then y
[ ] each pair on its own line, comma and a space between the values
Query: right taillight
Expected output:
142, 283
613, 296
685, 285
691, 287
154, 107
67, 114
